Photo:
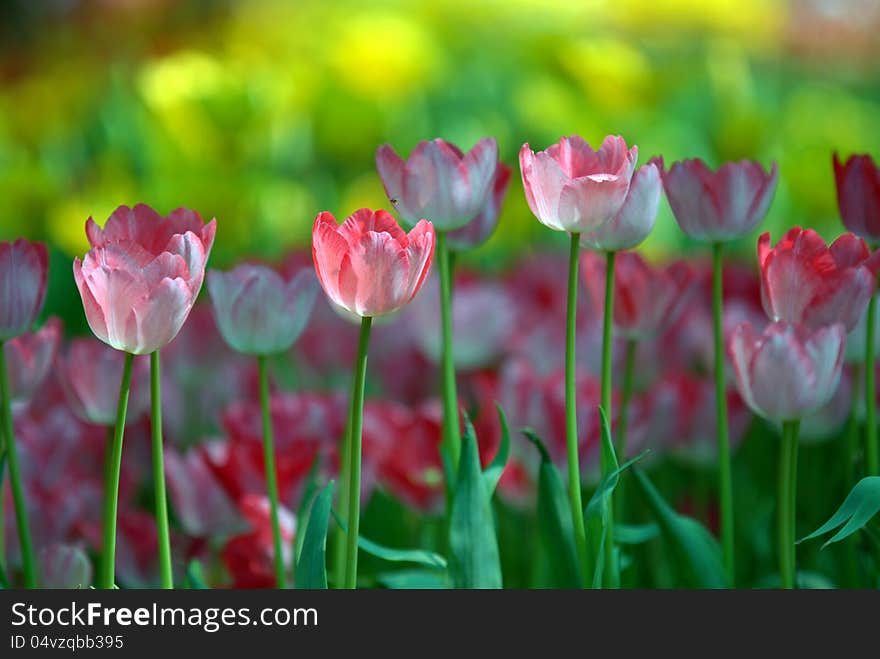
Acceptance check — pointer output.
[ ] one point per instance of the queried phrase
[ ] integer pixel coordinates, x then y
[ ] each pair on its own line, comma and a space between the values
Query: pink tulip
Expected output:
439, 182
805, 281
635, 219
572, 187
65, 566
478, 230
29, 358
141, 277
722, 205
368, 265
91, 373
858, 195
646, 299
789, 371
24, 267
200, 502
257, 311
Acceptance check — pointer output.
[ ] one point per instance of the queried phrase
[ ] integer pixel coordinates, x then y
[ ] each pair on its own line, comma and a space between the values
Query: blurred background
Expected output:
263, 113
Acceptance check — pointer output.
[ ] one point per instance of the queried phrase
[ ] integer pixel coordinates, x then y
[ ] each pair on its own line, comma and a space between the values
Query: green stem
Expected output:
787, 496
271, 473
344, 477
725, 480
111, 500
107, 472
872, 462
21, 519
159, 473
612, 573
571, 429
354, 484
451, 433
851, 560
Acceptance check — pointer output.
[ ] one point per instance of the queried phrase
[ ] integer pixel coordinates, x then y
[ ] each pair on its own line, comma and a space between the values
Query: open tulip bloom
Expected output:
461, 193
370, 267
717, 207
259, 313
138, 284
785, 374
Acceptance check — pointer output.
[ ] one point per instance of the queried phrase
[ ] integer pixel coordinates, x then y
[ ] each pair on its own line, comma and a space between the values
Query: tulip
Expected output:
717, 207
23, 272
247, 556
478, 230
65, 566
804, 281
785, 374
138, 283
29, 358
572, 187
259, 313
858, 198
369, 266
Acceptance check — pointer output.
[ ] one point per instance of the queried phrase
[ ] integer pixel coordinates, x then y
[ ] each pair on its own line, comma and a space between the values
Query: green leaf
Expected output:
413, 579
310, 570
474, 560
492, 472
555, 529
635, 534
195, 577
696, 550
418, 556
860, 505
305, 505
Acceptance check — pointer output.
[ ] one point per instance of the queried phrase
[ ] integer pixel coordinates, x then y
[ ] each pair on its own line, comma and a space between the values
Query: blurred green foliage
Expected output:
264, 112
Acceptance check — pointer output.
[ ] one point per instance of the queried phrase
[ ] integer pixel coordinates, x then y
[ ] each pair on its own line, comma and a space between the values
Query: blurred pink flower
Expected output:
479, 229
91, 374
572, 187
199, 501
257, 311
803, 280
28, 360
24, 268
858, 195
64, 566
444, 185
368, 265
635, 219
248, 557
722, 205
789, 371
141, 277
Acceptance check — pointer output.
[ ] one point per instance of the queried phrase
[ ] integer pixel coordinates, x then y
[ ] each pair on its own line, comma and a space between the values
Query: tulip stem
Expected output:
271, 474
612, 573
354, 484
159, 473
571, 429
21, 519
787, 496
340, 550
111, 498
725, 480
871, 448
451, 434
106, 472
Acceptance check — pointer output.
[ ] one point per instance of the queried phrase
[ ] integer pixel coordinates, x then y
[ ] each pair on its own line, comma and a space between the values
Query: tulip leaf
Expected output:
474, 560
635, 534
195, 576
492, 472
696, 550
416, 579
305, 504
310, 569
860, 505
419, 556
555, 530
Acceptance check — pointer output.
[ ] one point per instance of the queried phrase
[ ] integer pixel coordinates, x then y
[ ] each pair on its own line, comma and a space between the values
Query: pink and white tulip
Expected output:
24, 268
29, 358
478, 230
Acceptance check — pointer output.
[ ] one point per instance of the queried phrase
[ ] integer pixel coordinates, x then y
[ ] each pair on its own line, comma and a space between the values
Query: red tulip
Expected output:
478, 230
29, 358
440, 182
257, 311
635, 219
24, 267
91, 373
368, 265
789, 371
572, 187
140, 279
249, 557
805, 281
722, 205
858, 195
646, 299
